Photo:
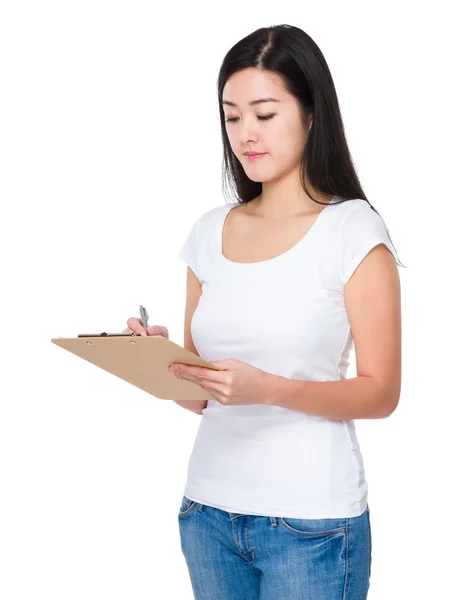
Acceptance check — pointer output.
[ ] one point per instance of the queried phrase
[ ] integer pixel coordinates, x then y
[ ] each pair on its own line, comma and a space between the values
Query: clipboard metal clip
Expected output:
105, 334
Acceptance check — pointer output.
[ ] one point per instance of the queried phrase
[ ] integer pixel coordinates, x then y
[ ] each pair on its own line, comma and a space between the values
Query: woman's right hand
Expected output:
135, 325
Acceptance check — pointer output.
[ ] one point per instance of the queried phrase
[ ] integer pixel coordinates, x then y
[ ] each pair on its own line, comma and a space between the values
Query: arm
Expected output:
195, 406
194, 291
372, 299
357, 398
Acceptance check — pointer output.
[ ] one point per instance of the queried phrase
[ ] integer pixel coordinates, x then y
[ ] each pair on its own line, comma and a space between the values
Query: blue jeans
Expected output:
231, 556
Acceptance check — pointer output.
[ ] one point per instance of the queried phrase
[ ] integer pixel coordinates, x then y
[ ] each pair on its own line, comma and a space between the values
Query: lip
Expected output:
254, 155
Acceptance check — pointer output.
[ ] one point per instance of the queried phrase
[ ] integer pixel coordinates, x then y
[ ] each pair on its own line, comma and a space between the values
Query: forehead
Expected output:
253, 87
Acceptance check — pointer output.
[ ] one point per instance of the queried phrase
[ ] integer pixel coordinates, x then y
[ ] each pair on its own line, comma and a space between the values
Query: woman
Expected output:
280, 284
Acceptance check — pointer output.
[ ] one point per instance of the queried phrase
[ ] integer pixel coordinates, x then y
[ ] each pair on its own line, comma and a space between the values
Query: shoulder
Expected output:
342, 213
361, 229
362, 213
354, 216
211, 216
346, 207
217, 210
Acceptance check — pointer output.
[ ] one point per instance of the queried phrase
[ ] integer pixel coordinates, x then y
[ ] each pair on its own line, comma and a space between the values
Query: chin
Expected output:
260, 179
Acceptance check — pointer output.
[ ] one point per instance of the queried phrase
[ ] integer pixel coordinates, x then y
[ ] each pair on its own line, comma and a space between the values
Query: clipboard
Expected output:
142, 361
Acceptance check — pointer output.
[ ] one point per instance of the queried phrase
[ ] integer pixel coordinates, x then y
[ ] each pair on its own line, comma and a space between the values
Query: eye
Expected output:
261, 118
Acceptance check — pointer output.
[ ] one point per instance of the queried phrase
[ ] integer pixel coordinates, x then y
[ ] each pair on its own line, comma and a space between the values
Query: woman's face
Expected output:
281, 136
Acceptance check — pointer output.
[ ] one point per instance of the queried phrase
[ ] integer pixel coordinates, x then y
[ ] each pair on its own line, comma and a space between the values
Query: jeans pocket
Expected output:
187, 506
313, 527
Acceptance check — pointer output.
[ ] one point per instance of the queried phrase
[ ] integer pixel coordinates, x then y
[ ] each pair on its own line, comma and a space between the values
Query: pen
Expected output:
144, 316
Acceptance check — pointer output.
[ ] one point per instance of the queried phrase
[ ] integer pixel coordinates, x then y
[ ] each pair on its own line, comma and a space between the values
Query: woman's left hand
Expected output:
236, 383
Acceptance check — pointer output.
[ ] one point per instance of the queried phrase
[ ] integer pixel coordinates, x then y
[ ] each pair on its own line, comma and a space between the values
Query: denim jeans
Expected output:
231, 556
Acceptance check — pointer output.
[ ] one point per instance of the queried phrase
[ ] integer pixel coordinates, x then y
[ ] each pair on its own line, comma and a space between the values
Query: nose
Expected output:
248, 134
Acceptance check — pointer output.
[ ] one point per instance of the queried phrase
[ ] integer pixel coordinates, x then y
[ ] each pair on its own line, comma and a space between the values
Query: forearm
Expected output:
195, 406
346, 399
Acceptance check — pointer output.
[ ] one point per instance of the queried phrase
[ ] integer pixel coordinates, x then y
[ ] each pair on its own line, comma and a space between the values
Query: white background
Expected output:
110, 150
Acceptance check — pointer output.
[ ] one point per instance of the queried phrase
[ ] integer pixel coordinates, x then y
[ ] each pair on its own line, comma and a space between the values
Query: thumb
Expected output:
223, 364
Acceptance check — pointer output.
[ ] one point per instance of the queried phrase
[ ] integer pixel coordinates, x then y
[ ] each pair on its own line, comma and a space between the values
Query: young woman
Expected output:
280, 284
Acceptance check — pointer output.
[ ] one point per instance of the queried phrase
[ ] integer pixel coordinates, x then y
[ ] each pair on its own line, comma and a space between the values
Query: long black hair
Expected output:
326, 163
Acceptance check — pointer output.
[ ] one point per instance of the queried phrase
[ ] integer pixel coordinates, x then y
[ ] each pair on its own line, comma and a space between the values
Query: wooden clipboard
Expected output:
142, 361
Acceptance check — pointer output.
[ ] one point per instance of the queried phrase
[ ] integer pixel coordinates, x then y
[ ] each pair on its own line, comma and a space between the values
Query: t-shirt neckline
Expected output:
228, 208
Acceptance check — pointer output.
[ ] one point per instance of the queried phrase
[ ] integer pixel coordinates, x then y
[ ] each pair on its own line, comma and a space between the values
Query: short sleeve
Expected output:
188, 252
362, 230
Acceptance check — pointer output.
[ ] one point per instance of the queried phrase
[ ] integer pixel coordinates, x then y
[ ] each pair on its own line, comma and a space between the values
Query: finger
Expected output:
139, 329
157, 330
217, 390
134, 322
203, 374
136, 326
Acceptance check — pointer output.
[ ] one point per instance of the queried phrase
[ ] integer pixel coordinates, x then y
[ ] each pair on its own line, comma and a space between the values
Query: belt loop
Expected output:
273, 521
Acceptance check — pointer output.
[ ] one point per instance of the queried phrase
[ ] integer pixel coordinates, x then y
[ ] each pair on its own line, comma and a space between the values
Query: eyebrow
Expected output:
259, 101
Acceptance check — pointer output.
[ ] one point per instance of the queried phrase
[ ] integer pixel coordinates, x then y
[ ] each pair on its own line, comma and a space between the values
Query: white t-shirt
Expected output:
286, 316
